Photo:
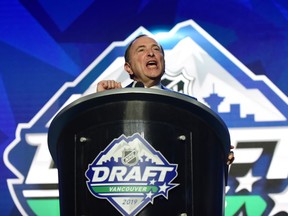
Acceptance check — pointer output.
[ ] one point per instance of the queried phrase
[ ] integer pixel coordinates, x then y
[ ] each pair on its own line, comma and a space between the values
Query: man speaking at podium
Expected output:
145, 64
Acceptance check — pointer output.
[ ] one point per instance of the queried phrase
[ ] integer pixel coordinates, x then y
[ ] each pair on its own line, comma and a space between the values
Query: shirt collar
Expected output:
158, 86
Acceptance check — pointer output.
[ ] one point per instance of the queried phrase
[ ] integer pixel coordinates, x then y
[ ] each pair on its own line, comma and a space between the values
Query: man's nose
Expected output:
150, 52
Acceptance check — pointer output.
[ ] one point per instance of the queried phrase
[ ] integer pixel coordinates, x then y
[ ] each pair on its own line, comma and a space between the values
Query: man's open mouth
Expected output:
151, 63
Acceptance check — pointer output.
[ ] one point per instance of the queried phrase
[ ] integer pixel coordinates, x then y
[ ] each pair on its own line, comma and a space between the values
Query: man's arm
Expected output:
231, 157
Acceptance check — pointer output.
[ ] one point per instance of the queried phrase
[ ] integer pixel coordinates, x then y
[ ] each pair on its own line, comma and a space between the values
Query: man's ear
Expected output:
127, 67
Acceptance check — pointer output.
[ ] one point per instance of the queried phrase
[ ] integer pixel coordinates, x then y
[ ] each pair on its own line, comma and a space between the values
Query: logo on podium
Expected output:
130, 174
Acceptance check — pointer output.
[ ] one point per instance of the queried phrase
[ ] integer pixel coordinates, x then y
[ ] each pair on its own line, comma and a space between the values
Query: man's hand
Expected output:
108, 84
231, 157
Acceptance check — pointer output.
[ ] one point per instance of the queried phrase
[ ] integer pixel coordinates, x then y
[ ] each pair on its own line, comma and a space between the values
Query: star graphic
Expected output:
247, 181
149, 195
280, 200
152, 182
163, 188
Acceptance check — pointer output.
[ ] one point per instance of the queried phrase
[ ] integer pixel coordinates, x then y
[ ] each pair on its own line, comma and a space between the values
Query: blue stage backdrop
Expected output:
231, 55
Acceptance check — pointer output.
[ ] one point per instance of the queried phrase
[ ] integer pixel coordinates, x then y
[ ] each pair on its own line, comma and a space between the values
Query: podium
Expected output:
137, 151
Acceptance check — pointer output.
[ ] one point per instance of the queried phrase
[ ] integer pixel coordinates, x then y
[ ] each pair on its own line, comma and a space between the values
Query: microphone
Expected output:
138, 85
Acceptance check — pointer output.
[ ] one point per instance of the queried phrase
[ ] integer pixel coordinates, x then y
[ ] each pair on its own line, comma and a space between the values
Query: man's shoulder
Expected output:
130, 85
167, 89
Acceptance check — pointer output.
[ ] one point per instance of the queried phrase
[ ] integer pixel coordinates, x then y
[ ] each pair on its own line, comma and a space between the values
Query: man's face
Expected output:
146, 61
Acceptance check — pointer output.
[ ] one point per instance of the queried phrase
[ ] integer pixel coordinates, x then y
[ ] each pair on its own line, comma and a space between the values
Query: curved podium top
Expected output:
119, 100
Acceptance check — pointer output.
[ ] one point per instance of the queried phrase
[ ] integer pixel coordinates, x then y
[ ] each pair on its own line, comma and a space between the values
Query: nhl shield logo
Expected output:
130, 174
130, 157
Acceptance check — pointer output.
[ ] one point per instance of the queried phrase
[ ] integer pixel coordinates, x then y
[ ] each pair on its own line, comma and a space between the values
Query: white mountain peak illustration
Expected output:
136, 144
192, 60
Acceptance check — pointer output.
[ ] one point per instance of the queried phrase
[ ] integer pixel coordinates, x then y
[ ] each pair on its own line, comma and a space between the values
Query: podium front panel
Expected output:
182, 137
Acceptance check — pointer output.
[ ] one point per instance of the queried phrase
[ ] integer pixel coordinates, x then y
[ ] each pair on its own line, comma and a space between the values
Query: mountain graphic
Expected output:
190, 58
123, 143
